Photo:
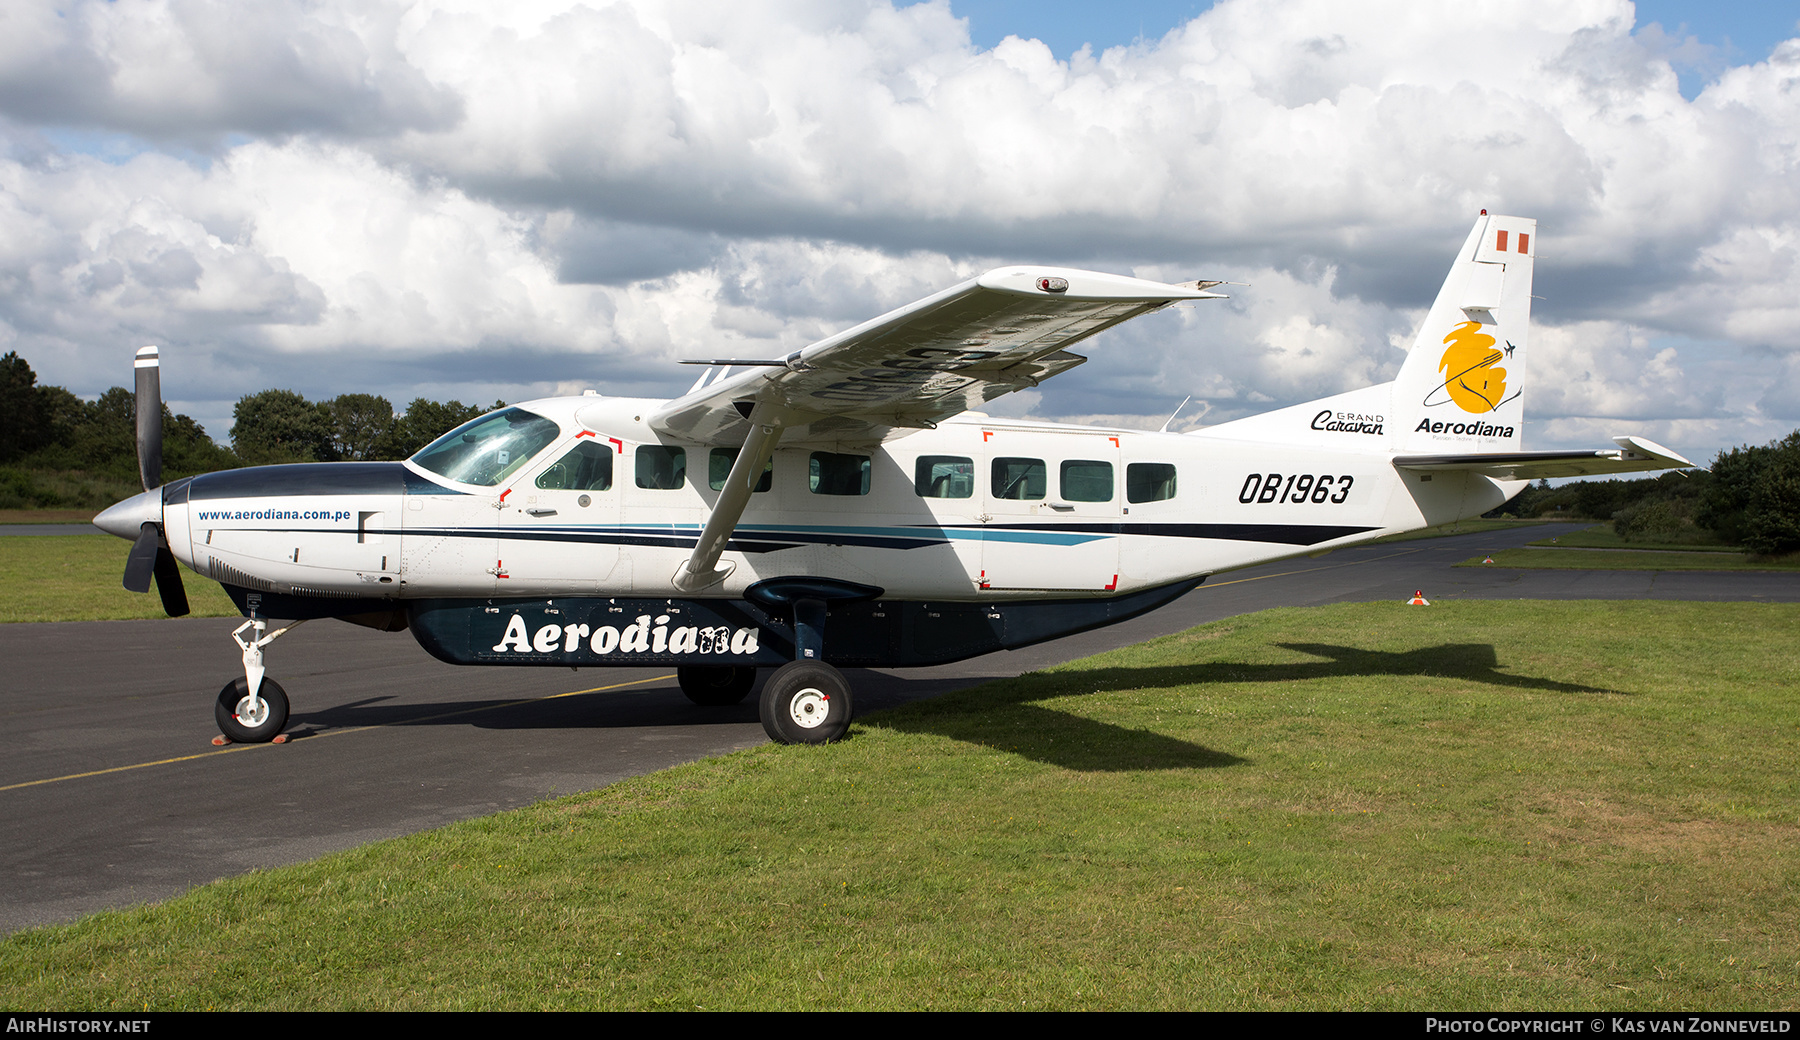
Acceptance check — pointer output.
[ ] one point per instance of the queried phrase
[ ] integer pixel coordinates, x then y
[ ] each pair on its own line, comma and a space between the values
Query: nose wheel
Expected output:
248, 719
806, 702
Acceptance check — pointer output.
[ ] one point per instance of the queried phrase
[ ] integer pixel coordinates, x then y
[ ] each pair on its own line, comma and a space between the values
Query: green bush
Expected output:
1754, 497
1661, 520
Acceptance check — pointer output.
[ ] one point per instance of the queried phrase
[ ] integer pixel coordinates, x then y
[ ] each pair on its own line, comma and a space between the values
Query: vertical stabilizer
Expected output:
1462, 387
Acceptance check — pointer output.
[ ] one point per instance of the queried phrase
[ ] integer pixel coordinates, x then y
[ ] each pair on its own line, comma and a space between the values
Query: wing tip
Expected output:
1089, 286
1647, 447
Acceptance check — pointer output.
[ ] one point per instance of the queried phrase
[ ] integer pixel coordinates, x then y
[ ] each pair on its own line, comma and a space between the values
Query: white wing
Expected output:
913, 367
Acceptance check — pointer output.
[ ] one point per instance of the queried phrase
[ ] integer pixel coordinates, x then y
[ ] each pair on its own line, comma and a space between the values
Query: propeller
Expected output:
141, 517
149, 417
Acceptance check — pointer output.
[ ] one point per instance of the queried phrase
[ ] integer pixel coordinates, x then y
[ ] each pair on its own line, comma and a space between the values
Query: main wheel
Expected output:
715, 687
806, 702
247, 721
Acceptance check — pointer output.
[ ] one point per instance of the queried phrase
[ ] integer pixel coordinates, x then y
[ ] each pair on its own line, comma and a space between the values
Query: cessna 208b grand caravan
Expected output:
845, 505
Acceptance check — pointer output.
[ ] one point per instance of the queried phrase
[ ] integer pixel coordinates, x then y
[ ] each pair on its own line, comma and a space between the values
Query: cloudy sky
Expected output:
464, 199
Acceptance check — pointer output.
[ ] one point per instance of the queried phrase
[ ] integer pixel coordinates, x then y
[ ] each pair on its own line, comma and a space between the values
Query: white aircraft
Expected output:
845, 505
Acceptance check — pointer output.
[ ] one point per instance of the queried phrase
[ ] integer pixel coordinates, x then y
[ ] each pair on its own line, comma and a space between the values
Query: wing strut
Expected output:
766, 422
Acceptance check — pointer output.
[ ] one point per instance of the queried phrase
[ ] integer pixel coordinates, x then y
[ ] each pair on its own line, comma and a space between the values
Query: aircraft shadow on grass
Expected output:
1474, 662
1053, 737
1003, 716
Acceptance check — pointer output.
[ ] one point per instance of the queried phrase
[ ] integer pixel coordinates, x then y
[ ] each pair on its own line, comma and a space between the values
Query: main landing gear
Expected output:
804, 702
253, 709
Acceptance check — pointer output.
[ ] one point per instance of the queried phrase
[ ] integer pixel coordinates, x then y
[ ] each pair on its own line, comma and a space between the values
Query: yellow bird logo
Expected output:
1468, 366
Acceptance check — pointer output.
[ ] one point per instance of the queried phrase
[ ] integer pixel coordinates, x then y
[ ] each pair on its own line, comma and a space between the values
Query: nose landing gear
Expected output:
253, 709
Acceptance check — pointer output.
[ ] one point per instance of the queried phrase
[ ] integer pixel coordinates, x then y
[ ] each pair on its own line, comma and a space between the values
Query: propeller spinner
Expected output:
140, 518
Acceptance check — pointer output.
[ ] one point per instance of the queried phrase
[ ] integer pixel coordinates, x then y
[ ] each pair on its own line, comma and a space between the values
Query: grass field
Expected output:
1479, 805
78, 578
1602, 536
46, 516
1632, 560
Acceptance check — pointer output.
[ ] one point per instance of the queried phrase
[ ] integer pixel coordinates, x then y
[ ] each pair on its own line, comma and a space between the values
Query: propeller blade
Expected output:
142, 561
149, 417
168, 583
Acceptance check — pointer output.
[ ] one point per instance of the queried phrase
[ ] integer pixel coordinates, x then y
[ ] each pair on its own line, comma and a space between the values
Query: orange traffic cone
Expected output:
1418, 599
1487, 559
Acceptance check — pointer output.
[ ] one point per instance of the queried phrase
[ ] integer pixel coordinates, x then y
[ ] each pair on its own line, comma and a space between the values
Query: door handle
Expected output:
540, 511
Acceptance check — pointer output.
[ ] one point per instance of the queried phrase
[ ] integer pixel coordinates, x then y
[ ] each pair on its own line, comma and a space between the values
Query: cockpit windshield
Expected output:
489, 449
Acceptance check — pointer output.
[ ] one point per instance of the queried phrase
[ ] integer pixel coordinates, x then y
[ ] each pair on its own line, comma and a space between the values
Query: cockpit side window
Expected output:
587, 467
487, 450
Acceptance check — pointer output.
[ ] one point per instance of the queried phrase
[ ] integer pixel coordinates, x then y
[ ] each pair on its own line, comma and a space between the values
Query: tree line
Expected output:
277, 426
57, 450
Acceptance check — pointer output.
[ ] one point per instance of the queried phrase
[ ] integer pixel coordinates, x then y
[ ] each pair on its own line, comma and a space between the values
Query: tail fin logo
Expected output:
1470, 379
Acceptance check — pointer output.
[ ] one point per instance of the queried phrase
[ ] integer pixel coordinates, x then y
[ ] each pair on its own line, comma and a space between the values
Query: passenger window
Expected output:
944, 476
660, 468
587, 467
1019, 479
1086, 481
1149, 482
718, 467
830, 473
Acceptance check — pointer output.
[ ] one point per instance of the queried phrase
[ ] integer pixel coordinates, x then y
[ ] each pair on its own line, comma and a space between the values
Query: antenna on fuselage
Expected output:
705, 374
1173, 414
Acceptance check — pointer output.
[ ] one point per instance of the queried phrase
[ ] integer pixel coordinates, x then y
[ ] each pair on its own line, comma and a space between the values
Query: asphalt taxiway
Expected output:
111, 792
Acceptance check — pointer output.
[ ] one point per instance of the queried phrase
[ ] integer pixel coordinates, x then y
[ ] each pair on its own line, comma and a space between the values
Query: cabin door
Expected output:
559, 523
1051, 515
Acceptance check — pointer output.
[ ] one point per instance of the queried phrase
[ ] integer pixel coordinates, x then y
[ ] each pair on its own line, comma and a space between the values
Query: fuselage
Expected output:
978, 508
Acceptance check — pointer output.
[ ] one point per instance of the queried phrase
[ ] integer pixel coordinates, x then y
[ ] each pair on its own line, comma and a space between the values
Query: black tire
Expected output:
806, 702
716, 687
265, 729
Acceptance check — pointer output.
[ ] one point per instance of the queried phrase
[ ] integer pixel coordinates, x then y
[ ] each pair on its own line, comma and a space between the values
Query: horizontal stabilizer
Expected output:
1633, 454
